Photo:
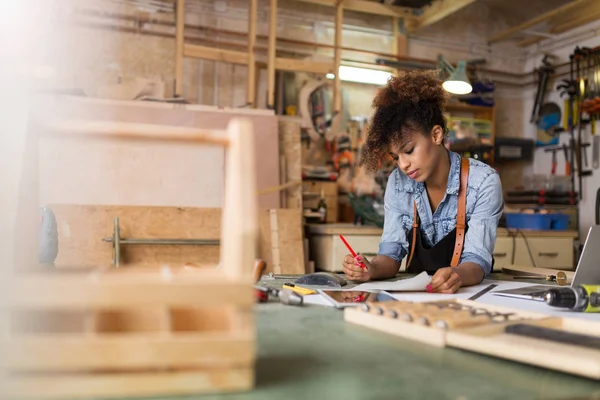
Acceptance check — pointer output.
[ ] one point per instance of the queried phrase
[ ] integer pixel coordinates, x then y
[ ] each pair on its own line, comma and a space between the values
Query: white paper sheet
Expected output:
416, 284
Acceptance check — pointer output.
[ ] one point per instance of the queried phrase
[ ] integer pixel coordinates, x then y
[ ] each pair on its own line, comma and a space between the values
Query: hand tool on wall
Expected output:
553, 168
543, 76
567, 162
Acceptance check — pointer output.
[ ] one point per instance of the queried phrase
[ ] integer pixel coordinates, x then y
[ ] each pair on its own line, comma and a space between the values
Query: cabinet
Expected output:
541, 249
311, 193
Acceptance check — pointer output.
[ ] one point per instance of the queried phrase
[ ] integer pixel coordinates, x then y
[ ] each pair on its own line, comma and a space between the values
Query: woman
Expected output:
441, 210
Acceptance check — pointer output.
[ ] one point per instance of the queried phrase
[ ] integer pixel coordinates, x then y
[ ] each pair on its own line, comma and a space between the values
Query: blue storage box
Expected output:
560, 222
538, 222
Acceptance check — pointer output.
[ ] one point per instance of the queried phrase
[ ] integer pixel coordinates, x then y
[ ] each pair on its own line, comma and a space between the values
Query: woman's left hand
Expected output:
445, 280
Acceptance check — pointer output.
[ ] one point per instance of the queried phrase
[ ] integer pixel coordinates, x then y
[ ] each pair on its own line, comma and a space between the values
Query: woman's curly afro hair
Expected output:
410, 102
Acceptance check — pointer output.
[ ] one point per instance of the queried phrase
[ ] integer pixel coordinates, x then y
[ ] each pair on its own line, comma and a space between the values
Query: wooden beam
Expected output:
400, 39
271, 54
537, 20
437, 12
251, 82
367, 7
179, 42
317, 67
570, 21
337, 83
210, 53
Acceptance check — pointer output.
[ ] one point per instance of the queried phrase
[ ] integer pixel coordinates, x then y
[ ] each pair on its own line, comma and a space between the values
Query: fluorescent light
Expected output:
362, 75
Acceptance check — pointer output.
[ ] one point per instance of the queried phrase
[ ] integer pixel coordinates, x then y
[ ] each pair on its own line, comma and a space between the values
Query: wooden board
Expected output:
282, 240
290, 149
494, 341
82, 227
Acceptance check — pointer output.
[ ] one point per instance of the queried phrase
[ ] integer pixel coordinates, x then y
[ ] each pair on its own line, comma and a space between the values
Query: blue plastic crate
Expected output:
539, 222
560, 222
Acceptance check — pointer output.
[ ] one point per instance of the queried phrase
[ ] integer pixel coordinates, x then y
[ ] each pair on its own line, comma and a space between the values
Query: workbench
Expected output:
309, 352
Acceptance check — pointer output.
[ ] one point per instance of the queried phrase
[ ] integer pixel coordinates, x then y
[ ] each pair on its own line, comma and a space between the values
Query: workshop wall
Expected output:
586, 36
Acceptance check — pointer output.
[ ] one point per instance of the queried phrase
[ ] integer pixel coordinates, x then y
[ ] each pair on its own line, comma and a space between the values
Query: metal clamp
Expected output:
118, 241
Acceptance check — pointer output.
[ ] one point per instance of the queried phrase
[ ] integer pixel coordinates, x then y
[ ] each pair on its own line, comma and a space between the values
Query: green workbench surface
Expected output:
309, 352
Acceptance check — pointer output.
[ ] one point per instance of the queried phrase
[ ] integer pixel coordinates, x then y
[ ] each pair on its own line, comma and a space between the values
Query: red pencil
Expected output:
362, 265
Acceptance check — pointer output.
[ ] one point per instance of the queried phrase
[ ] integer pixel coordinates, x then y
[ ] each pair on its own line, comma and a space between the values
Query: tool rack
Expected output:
134, 331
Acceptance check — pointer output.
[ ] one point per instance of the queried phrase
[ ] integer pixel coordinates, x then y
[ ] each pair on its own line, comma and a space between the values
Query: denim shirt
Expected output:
484, 209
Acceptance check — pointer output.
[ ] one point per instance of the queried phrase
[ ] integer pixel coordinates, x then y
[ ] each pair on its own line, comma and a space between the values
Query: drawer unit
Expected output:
552, 253
503, 253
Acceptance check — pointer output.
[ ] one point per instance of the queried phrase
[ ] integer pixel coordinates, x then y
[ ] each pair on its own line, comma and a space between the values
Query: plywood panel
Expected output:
104, 172
282, 240
290, 149
82, 227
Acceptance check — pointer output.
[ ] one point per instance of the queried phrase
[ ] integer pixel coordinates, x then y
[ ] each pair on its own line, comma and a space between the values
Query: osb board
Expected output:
134, 173
82, 227
290, 149
290, 246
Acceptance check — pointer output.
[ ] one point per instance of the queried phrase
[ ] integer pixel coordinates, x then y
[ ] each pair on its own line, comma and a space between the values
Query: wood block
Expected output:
282, 241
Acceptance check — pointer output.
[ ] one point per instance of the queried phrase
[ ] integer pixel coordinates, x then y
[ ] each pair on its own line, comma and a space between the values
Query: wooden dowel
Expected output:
251, 82
179, 42
133, 131
271, 54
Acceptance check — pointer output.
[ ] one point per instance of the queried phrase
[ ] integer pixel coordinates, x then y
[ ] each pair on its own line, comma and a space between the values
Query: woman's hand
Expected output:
445, 280
354, 271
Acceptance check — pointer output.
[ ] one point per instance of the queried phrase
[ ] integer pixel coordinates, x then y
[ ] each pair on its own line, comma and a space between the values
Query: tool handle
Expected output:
259, 268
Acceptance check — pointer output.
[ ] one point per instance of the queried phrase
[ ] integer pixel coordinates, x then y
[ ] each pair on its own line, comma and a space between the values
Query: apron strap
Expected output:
461, 215
415, 226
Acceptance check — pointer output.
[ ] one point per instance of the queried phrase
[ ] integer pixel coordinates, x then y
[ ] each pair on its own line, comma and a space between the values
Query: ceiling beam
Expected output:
537, 20
436, 12
587, 15
367, 7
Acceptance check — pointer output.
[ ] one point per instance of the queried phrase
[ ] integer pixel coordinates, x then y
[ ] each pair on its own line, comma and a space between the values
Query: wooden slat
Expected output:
73, 353
337, 88
290, 64
272, 50
438, 11
77, 294
85, 386
537, 20
179, 45
211, 53
239, 222
367, 7
251, 78
133, 131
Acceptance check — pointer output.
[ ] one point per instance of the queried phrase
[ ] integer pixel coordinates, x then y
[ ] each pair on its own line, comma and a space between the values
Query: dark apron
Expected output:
430, 259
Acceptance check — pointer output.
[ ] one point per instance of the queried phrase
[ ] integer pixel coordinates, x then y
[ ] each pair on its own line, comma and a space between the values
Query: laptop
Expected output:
587, 271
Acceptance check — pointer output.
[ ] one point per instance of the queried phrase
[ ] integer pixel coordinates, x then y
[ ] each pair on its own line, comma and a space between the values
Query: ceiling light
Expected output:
362, 75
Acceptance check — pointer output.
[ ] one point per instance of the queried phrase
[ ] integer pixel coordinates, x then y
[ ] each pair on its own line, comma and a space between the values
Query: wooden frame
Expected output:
137, 331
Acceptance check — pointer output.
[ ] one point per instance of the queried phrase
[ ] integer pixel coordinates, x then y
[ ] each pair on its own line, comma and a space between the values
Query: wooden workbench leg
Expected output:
239, 232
